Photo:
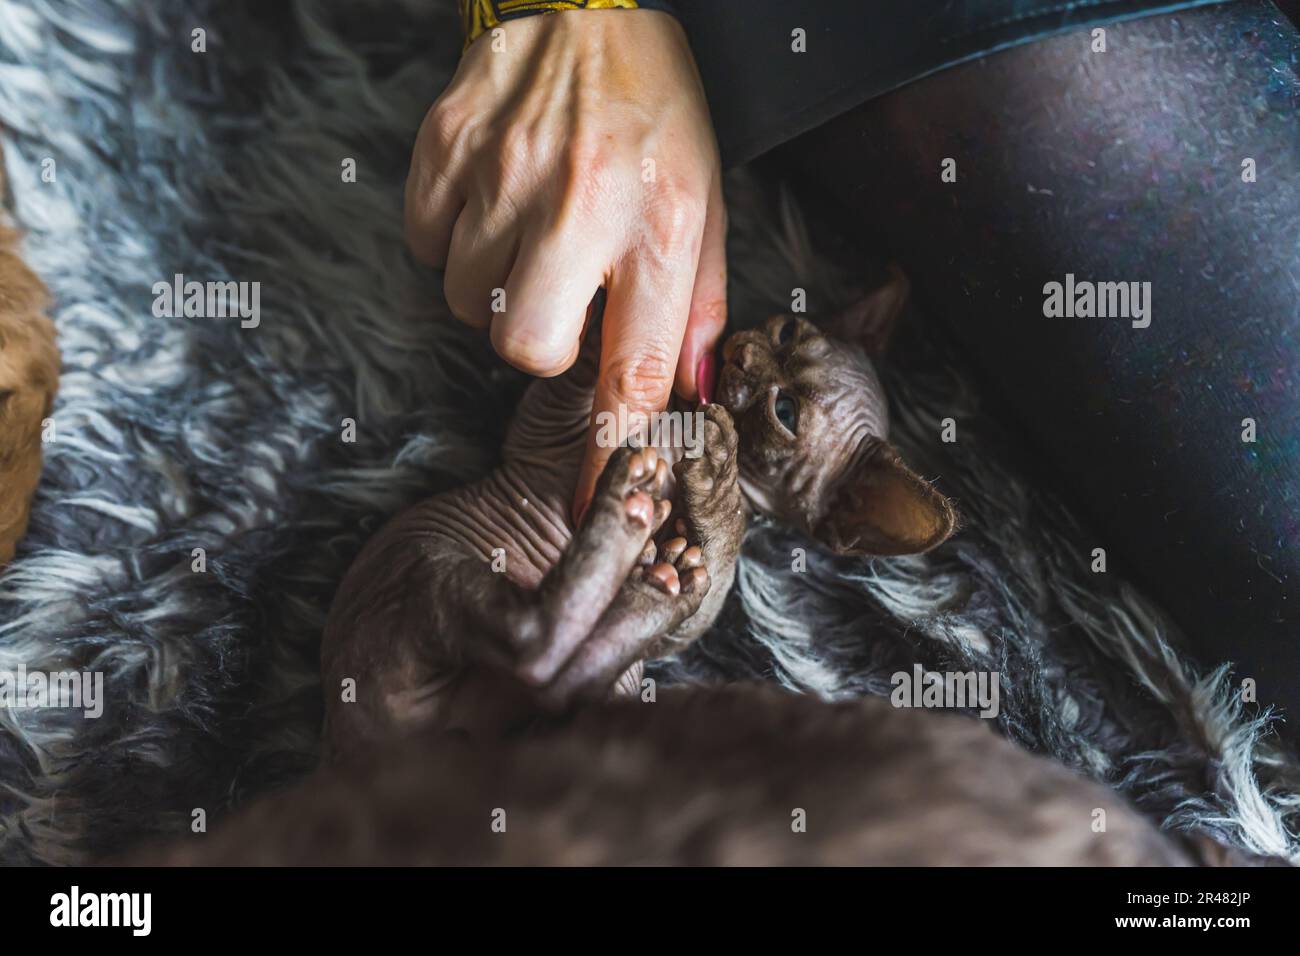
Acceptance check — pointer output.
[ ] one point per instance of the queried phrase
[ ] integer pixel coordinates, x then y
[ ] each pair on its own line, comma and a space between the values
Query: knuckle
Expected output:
585, 178
527, 352
675, 220
586, 156
446, 124
515, 144
642, 382
520, 150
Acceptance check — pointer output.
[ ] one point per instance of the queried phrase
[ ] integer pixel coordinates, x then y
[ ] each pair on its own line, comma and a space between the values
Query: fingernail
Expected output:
705, 373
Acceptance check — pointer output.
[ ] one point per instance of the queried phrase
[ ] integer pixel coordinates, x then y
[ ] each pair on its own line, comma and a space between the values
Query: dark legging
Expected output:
1125, 166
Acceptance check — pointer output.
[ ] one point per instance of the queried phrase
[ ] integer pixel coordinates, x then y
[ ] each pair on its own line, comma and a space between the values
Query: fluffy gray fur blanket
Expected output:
176, 434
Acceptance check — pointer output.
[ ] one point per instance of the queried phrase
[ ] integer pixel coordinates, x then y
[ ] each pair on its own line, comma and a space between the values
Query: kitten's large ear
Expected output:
885, 508
870, 321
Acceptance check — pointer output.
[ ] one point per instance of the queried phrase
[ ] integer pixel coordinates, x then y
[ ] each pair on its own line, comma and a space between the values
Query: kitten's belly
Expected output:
520, 515
518, 519
516, 522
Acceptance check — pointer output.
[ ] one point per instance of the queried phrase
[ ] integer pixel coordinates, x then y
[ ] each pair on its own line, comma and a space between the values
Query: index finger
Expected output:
641, 335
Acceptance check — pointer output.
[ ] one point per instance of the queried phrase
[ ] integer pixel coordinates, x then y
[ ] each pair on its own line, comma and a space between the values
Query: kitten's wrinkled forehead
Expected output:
791, 368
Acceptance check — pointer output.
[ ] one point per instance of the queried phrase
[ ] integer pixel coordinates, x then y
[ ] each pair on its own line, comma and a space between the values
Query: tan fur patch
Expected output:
29, 377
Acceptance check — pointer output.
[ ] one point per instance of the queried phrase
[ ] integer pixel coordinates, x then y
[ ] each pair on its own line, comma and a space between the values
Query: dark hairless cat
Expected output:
469, 609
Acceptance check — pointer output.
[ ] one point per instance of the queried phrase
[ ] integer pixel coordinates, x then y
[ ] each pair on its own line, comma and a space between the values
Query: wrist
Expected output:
483, 16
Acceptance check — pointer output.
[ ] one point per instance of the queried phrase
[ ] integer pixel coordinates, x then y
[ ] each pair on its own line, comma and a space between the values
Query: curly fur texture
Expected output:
178, 434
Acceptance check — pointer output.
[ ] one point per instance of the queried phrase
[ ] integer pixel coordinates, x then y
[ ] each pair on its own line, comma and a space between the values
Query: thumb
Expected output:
696, 365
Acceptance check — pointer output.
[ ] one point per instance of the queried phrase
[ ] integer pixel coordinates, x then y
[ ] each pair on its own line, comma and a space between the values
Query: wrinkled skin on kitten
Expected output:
814, 422
474, 607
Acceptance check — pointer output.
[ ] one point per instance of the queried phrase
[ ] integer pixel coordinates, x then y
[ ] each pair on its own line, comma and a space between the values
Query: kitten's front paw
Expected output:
710, 498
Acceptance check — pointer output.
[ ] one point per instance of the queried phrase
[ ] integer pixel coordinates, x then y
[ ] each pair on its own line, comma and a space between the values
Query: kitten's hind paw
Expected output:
678, 568
626, 510
655, 600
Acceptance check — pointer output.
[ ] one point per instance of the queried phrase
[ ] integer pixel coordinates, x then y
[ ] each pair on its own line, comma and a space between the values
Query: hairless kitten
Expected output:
472, 607
438, 640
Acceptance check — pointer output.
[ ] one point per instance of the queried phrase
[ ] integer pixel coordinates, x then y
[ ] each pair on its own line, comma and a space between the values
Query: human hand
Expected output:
579, 155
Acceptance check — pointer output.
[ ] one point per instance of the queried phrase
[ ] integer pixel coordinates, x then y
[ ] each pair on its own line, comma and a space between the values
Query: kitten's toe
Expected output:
641, 464
672, 549
640, 508
663, 508
720, 438
629, 471
657, 484
691, 557
715, 466
664, 577
695, 584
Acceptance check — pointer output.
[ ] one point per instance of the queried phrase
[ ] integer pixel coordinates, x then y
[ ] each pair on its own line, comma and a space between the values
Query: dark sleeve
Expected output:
480, 16
773, 69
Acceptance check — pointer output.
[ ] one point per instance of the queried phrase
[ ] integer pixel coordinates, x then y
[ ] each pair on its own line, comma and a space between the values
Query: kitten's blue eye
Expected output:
786, 332
787, 413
